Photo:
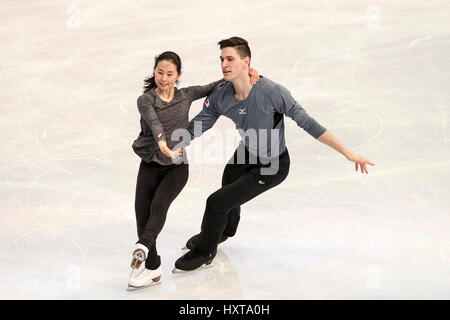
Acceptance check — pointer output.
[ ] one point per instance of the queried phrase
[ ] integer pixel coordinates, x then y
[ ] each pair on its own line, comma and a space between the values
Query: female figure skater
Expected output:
163, 108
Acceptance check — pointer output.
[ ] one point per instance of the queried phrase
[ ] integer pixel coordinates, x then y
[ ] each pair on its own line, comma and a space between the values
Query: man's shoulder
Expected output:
268, 84
269, 87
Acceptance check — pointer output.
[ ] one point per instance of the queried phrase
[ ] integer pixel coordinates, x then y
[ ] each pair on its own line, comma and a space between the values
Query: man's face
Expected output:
233, 66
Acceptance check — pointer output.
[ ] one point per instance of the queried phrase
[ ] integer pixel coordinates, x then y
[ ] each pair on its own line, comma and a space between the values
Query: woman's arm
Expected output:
331, 141
167, 151
145, 106
198, 92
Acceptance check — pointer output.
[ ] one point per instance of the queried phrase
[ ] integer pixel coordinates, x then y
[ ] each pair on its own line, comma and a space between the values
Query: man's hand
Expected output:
166, 150
331, 141
359, 160
254, 76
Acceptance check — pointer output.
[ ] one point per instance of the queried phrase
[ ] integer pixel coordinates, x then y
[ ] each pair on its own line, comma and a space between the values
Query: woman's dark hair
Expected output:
149, 83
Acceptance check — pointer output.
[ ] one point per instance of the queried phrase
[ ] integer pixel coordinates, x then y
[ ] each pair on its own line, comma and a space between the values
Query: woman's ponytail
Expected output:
149, 83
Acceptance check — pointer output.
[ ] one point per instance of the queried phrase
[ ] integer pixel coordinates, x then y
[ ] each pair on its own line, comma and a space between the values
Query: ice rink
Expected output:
374, 73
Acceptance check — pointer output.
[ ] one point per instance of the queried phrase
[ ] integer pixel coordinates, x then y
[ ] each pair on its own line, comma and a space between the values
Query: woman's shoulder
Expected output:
147, 96
185, 92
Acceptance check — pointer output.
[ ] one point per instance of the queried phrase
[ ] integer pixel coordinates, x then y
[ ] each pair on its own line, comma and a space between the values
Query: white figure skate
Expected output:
140, 254
145, 278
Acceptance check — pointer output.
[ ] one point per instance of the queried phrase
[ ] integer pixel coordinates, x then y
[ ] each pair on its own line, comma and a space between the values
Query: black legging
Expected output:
157, 186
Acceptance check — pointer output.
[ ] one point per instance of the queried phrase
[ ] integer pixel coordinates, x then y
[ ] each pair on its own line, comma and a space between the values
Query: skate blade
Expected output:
131, 288
204, 266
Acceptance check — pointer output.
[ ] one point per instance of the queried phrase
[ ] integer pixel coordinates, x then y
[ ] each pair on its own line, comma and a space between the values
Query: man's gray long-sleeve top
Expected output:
256, 116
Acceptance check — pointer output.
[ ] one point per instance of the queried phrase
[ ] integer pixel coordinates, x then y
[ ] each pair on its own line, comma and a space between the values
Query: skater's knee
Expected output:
159, 209
210, 203
213, 204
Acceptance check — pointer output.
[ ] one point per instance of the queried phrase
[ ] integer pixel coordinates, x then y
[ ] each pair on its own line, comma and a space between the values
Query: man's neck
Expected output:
242, 87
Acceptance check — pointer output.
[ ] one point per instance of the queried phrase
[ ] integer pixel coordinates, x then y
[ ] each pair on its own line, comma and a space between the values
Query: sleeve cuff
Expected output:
161, 137
317, 130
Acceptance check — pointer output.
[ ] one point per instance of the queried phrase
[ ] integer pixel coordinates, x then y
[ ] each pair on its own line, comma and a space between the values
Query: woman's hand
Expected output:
177, 153
359, 160
254, 76
166, 150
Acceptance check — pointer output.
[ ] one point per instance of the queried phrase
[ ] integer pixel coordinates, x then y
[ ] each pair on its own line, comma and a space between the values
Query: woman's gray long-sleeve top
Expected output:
160, 118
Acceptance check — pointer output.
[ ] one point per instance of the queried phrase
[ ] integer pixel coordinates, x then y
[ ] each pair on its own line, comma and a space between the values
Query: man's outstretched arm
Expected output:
286, 104
330, 140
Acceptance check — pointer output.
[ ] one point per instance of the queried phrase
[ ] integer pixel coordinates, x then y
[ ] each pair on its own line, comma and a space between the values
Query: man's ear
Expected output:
247, 61
179, 75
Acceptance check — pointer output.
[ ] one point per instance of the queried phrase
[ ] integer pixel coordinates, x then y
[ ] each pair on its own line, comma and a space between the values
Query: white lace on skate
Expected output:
139, 256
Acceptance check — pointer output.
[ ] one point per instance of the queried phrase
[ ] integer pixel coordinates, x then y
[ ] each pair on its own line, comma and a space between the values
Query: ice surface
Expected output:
376, 74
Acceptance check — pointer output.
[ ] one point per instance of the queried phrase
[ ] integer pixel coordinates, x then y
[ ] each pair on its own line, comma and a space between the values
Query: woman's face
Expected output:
166, 75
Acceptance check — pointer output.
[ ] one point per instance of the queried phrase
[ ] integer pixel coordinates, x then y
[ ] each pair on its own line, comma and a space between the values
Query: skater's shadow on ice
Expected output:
219, 281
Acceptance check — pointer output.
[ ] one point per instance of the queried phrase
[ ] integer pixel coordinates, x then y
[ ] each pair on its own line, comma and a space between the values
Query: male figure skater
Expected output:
262, 160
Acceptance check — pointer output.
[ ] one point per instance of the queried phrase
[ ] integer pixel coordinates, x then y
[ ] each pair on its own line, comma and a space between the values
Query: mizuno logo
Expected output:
242, 111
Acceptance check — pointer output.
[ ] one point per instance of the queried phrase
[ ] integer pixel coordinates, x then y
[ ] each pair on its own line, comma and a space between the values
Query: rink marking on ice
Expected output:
45, 228
354, 55
340, 285
380, 120
59, 166
379, 269
443, 252
428, 37
439, 164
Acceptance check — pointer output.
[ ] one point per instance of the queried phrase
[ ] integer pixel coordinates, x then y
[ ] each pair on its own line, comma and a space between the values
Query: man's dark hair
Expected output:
241, 46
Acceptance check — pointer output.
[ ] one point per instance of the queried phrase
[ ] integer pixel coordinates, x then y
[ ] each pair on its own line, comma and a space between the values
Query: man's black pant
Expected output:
240, 183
